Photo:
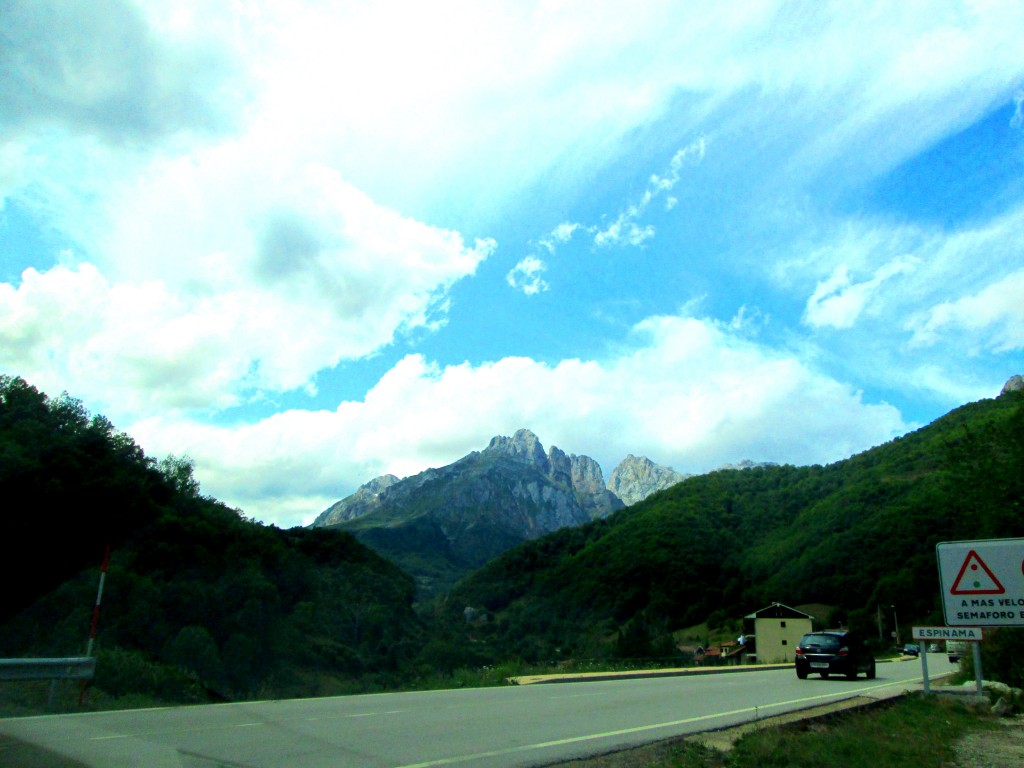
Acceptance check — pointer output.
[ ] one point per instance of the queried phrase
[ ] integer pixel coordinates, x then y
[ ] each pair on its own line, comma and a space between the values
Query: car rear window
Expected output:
825, 643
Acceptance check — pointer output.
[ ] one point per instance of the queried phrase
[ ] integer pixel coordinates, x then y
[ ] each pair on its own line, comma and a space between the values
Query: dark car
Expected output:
911, 650
834, 653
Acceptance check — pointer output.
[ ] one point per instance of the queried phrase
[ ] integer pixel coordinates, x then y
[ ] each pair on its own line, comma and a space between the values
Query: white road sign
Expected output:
947, 633
982, 582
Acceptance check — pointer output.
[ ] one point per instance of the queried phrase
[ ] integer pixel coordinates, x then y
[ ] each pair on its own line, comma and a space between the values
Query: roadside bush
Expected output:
120, 672
1001, 657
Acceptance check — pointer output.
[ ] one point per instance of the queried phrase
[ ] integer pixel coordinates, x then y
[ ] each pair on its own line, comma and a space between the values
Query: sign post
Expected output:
925, 634
982, 582
982, 585
923, 653
947, 633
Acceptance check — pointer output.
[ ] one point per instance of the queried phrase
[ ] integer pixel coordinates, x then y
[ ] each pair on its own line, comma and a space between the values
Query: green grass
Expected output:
914, 731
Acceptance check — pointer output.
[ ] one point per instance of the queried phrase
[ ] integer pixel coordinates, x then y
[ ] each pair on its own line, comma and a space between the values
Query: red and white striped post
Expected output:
95, 618
99, 599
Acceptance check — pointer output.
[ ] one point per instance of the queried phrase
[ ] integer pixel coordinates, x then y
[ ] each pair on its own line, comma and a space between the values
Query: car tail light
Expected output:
799, 651
844, 651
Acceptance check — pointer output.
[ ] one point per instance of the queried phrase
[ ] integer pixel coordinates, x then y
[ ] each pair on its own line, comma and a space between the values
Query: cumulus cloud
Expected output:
564, 231
707, 396
277, 275
135, 345
561, 234
98, 67
526, 276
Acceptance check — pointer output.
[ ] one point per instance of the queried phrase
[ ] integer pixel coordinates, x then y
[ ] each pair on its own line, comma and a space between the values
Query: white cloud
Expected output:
559, 235
548, 83
991, 319
526, 276
99, 67
686, 392
133, 345
564, 231
224, 278
839, 302
623, 231
626, 230
935, 314
909, 267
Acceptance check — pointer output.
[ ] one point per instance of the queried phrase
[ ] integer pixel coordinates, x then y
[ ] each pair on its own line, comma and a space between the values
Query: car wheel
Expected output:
801, 673
871, 671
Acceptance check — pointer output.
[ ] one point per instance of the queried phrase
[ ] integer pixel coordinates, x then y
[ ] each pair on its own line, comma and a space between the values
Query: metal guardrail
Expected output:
71, 668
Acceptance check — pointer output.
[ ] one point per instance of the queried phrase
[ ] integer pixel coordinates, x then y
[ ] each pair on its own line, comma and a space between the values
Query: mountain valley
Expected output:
540, 562
441, 524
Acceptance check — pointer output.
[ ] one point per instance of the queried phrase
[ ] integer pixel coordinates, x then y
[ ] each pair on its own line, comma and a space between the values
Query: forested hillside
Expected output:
199, 602
855, 534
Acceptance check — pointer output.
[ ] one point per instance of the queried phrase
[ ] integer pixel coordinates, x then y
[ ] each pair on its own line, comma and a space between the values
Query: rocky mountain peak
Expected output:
588, 480
1014, 384
366, 497
637, 477
586, 473
579, 475
559, 464
523, 446
378, 484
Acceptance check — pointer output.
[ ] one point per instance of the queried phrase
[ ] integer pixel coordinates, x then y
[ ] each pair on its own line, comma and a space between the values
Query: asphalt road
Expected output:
489, 727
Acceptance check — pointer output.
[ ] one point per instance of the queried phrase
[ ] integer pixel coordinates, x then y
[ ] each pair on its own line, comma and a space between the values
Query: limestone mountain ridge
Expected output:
443, 522
637, 477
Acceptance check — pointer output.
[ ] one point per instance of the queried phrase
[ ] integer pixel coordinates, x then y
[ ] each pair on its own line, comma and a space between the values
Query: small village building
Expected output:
776, 632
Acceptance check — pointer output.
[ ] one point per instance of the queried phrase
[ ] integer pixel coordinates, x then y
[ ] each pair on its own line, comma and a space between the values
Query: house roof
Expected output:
778, 611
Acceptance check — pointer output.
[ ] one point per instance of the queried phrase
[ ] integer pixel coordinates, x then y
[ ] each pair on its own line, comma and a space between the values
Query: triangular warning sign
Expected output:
975, 578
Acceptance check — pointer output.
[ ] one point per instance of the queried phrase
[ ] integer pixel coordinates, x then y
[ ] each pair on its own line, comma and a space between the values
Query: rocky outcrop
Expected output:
589, 483
1014, 384
637, 477
523, 446
366, 498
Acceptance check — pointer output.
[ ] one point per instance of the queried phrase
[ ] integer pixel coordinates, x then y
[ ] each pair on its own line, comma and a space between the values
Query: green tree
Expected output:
194, 650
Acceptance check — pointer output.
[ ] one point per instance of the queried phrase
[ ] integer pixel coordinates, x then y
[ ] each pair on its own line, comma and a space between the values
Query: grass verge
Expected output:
914, 730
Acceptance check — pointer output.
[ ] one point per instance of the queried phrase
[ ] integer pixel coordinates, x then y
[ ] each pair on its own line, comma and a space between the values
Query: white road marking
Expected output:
624, 731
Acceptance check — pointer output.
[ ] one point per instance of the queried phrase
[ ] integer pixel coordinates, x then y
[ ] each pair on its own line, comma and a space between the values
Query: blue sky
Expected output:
309, 243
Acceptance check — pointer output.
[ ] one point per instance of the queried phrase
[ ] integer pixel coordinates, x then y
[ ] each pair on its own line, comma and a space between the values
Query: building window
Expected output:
785, 642
783, 625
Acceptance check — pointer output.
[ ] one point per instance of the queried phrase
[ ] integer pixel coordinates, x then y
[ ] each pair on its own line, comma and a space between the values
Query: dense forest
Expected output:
202, 604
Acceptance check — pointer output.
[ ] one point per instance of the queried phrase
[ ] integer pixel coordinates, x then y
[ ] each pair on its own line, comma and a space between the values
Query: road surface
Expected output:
486, 728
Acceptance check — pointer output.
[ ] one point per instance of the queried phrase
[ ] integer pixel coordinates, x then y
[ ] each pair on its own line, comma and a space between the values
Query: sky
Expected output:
305, 244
